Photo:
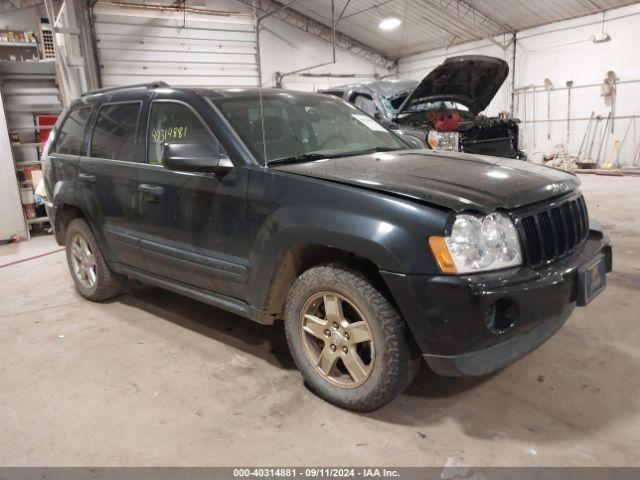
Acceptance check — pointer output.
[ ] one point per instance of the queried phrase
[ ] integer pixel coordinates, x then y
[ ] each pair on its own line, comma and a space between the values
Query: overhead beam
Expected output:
284, 7
503, 26
469, 18
343, 10
275, 9
471, 22
368, 8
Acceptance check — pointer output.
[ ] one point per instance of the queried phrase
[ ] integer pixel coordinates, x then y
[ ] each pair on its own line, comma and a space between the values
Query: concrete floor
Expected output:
157, 379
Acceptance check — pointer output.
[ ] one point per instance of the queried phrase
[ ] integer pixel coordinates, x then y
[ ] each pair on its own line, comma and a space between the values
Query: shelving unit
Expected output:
19, 44
29, 89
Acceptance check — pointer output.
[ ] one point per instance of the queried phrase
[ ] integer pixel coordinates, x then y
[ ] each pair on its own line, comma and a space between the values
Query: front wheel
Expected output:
348, 341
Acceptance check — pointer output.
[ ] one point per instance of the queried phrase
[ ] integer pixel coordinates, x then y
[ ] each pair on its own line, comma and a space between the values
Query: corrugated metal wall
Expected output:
137, 45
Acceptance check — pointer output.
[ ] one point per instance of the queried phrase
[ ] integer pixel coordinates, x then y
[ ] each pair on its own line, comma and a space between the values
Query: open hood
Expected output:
472, 80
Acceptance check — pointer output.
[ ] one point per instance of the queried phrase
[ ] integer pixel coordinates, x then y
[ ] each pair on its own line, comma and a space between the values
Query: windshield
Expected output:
392, 104
303, 126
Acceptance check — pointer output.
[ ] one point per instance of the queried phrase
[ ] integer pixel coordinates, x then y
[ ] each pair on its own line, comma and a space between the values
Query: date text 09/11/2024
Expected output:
316, 472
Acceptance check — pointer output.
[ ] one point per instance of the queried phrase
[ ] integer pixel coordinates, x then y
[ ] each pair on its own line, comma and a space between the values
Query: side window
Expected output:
114, 134
70, 140
175, 122
365, 103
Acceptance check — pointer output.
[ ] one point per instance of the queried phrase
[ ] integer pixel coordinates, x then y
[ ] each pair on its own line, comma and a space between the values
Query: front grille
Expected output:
548, 235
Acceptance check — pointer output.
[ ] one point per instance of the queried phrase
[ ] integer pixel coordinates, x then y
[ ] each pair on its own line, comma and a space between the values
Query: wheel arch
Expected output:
65, 213
294, 258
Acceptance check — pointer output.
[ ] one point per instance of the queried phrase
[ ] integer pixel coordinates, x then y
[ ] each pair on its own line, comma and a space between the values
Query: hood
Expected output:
472, 80
457, 181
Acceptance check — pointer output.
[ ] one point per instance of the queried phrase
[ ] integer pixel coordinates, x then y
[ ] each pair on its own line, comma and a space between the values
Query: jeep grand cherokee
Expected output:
282, 205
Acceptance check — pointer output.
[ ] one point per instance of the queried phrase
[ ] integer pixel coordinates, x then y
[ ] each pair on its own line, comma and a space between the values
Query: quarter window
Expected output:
175, 122
114, 135
70, 139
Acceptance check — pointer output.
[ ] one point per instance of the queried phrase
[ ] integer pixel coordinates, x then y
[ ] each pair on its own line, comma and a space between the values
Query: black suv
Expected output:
276, 204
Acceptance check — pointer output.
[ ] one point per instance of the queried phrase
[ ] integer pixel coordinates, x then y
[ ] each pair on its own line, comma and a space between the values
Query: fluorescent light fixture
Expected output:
389, 23
600, 37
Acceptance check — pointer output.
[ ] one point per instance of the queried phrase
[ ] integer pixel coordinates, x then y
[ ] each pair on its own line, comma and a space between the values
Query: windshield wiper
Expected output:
305, 157
386, 149
311, 156
369, 150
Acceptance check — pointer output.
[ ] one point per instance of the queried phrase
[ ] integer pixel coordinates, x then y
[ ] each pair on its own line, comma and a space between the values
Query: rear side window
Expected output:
70, 139
175, 122
114, 134
365, 103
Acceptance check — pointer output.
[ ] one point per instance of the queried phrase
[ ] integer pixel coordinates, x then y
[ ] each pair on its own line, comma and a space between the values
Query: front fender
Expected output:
290, 227
390, 232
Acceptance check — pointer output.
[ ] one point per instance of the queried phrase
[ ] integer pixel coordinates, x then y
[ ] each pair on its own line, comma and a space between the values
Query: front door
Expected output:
107, 179
193, 226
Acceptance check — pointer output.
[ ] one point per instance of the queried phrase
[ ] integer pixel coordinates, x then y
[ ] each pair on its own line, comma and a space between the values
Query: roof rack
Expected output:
125, 87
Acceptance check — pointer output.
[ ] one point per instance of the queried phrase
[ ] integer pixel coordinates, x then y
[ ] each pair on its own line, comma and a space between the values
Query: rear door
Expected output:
107, 178
62, 162
193, 225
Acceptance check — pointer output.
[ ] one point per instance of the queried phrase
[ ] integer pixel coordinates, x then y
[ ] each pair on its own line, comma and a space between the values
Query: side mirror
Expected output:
194, 156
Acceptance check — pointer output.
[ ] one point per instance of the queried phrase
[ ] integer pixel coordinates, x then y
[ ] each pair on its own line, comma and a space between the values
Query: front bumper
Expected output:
476, 324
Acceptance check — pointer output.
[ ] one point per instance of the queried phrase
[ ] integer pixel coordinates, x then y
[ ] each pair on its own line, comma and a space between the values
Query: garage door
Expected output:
139, 45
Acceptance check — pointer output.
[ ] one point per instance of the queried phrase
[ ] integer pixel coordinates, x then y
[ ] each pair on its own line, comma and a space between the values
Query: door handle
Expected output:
87, 178
150, 193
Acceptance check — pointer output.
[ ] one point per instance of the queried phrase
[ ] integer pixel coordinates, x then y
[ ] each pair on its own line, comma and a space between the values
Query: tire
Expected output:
388, 361
106, 283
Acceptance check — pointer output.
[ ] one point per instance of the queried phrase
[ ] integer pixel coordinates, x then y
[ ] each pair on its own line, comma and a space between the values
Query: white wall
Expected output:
563, 51
284, 48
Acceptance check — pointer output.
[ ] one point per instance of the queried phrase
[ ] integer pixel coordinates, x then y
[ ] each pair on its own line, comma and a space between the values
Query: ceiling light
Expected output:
600, 37
389, 23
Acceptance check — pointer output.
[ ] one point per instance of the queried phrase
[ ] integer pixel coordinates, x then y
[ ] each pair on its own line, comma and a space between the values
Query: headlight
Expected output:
449, 141
478, 244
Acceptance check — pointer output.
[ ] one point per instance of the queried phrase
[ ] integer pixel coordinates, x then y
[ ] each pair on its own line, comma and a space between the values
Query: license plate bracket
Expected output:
592, 279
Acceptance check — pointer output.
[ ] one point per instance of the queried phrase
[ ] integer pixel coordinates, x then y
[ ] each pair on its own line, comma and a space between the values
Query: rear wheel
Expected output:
92, 276
349, 342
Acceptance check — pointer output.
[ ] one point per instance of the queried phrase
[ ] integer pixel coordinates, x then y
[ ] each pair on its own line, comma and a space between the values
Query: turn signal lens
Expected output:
442, 255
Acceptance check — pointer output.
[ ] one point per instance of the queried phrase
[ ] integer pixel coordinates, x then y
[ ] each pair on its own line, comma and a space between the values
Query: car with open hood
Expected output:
381, 100
444, 110
298, 208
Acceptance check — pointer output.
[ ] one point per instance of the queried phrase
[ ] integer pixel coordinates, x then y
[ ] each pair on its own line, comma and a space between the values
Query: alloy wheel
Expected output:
337, 339
83, 261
